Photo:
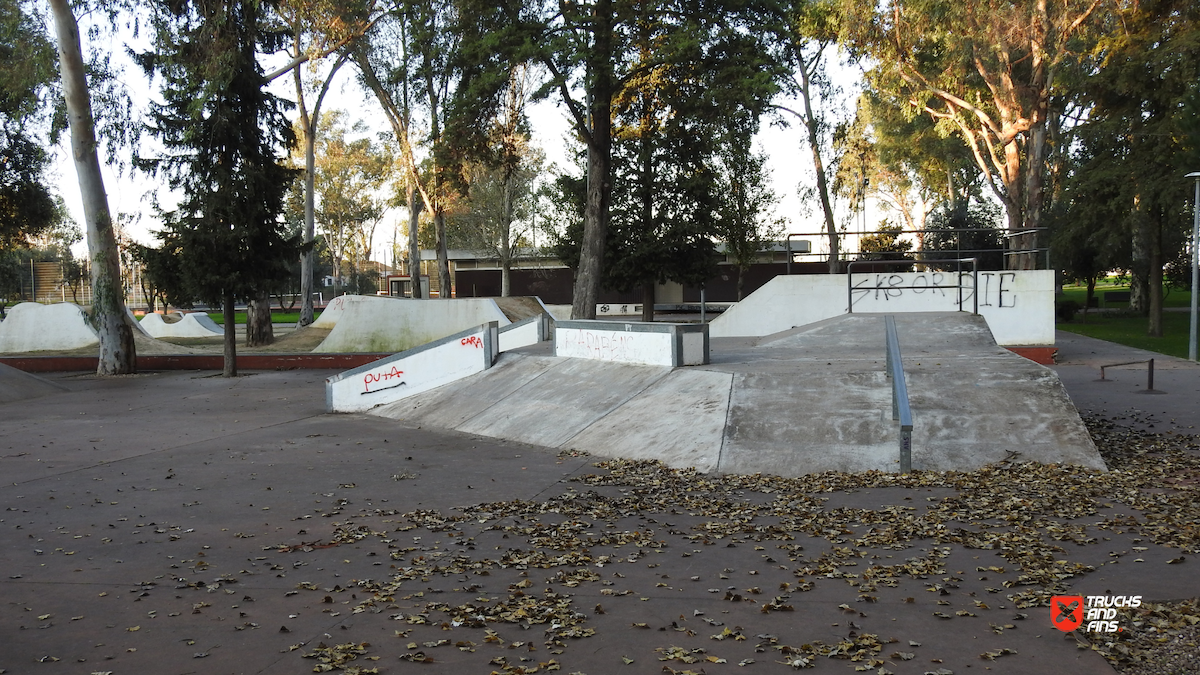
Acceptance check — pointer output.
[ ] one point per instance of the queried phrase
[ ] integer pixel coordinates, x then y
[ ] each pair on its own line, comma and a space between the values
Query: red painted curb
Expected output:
1047, 356
51, 364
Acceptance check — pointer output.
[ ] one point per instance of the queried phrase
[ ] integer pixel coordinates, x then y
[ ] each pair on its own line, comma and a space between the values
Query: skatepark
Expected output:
177, 522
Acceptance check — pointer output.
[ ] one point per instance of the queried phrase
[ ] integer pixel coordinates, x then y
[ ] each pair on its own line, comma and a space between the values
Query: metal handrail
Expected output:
901, 410
974, 279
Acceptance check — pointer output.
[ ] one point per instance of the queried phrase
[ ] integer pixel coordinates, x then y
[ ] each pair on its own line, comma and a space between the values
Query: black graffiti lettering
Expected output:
986, 291
1001, 291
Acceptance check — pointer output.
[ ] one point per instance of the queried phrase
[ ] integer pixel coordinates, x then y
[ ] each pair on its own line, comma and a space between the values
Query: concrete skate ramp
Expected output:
382, 324
18, 385
32, 327
521, 307
329, 316
1018, 306
191, 325
808, 400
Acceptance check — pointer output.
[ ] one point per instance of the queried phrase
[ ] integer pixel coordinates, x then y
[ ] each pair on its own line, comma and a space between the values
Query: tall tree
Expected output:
351, 177
811, 36
27, 61
318, 30
222, 134
745, 223
987, 70
117, 352
410, 60
1132, 147
902, 161
590, 51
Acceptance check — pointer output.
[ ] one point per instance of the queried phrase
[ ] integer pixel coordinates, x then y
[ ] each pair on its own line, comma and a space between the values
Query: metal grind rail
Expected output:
1149, 374
959, 261
900, 407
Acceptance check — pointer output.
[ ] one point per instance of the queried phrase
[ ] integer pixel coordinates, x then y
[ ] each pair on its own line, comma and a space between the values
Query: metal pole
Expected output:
974, 283
1195, 264
702, 306
1150, 377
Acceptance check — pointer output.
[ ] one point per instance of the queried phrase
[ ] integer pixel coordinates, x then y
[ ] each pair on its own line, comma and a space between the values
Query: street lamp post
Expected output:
1195, 264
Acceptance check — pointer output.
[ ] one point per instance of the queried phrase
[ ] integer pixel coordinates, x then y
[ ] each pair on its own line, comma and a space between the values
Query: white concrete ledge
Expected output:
648, 343
525, 332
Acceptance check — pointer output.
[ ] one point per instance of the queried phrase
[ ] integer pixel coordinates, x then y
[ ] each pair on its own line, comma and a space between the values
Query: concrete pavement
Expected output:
183, 523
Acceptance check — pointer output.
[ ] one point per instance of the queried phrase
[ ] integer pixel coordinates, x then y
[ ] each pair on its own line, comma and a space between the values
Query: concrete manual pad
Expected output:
564, 400
679, 420
794, 423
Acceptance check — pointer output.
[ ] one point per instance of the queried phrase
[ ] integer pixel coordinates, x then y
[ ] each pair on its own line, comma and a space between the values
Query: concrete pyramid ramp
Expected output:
18, 385
191, 325
808, 400
381, 324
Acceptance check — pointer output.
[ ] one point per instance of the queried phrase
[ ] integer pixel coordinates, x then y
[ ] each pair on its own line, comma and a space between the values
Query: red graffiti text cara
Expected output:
391, 378
472, 341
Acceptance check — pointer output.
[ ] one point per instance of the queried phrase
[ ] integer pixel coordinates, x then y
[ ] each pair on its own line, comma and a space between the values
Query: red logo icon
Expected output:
1066, 612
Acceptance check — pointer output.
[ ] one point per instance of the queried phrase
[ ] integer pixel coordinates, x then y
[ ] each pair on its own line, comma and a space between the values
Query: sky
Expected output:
789, 160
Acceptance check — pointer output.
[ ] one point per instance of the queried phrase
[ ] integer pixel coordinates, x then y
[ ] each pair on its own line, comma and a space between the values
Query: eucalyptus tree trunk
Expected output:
259, 329
586, 290
814, 144
308, 125
506, 249
230, 369
414, 247
118, 355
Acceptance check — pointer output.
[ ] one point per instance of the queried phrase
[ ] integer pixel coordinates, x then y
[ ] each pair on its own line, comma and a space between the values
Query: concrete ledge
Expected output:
525, 332
647, 343
414, 371
54, 364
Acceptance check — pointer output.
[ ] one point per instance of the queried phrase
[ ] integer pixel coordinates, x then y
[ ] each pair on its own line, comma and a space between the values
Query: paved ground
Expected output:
182, 523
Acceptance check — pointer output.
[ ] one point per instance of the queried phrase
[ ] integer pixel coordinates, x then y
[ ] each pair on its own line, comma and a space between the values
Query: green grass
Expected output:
240, 317
1131, 331
1172, 298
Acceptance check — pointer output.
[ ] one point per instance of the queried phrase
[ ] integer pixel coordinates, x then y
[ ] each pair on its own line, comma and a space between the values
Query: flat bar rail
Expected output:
1149, 371
974, 279
901, 410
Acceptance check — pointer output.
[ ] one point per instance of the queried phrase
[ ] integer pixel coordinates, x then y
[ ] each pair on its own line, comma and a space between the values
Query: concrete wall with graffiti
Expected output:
414, 371
652, 344
1018, 305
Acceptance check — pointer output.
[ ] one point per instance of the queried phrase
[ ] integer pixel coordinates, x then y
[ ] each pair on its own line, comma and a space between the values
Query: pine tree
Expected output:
222, 134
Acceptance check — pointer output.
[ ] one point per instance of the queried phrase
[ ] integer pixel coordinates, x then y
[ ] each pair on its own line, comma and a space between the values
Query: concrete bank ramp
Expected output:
382, 324
808, 400
190, 325
18, 385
